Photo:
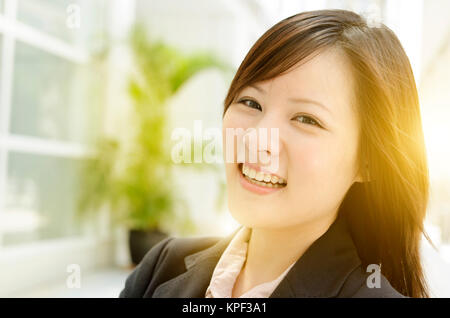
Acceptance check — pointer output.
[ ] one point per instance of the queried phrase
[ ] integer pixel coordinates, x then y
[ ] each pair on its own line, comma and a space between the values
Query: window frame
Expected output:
92, 248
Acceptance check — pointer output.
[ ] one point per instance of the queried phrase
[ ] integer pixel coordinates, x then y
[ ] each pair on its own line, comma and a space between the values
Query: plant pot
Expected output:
141, 241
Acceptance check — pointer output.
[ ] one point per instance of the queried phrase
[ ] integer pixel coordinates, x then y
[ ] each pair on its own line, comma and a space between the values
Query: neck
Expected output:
278, 248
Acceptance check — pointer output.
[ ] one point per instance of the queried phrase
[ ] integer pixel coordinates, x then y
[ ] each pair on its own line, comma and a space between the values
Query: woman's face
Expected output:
318, 134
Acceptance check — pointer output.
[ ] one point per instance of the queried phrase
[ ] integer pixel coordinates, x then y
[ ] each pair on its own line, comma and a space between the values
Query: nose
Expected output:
262, 144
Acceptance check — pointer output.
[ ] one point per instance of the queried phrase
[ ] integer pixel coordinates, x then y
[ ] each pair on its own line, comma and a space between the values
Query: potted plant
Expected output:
134, 179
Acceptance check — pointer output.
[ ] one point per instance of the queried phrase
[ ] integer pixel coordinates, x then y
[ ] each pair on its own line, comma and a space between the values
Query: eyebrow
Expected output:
295, 99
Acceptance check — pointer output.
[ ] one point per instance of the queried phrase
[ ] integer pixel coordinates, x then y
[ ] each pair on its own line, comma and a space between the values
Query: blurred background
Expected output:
90, 91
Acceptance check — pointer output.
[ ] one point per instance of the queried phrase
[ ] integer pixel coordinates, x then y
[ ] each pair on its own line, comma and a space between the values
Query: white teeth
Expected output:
245, 170
259, 177
274, 179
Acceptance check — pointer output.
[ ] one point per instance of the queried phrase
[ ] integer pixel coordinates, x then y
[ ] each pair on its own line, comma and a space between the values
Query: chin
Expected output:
256, 217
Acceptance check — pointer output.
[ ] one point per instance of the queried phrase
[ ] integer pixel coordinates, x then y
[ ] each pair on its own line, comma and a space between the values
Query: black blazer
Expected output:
183, 267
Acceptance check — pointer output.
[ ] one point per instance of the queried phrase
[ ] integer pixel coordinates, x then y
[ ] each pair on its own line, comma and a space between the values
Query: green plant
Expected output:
136, 182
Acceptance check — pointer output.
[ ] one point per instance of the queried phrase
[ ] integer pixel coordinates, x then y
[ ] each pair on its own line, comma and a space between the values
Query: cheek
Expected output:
236, 122
228, 139
317, 180
234, 118
308, 159
320, 165
230, 121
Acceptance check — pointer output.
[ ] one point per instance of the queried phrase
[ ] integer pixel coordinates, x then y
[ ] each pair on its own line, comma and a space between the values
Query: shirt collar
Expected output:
319, 272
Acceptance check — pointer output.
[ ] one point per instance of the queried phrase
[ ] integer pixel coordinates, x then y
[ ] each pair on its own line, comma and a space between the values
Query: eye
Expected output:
250, 103
307, 120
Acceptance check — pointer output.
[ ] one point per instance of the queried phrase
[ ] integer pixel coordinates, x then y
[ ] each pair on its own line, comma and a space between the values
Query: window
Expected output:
51, 95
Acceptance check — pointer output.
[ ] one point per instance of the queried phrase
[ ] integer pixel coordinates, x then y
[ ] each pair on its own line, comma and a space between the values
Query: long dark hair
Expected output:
385, 213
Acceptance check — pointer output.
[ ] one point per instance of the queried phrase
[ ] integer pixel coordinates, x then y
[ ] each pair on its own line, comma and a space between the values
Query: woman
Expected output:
341, 212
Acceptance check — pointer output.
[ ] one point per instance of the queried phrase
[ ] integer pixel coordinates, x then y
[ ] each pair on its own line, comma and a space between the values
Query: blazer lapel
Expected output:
320, 271
323, 268
200, 266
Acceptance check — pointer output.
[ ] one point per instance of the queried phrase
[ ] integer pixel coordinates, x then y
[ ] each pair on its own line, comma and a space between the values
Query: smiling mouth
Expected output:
261, 178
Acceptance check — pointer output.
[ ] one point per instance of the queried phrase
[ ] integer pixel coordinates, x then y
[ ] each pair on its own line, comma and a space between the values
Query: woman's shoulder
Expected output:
180, 247
162, 262
368, 284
